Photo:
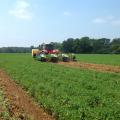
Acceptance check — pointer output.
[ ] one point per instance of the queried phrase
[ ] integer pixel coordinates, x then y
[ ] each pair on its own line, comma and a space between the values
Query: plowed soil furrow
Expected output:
21, 105
91, 66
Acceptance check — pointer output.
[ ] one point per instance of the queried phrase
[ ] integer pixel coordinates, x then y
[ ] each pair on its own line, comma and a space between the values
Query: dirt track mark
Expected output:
91, 66
21, 104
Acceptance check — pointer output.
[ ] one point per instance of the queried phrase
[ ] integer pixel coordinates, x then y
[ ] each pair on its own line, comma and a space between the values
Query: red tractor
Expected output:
48, 53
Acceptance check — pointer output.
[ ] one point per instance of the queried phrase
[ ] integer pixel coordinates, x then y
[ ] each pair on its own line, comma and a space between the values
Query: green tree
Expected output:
68, 45
85, 45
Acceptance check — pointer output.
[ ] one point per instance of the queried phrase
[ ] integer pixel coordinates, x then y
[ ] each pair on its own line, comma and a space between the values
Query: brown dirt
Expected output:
21, 104
91, 66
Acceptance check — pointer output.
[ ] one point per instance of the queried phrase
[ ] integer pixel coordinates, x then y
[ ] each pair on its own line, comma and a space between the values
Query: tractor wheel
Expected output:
54, 59
65, 59
43, 59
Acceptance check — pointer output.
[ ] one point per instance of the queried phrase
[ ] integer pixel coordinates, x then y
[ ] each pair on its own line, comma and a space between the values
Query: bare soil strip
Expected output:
21, 104
91, 66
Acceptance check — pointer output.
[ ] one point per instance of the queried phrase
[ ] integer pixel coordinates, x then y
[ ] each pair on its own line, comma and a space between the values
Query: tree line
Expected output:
84, 45
15, 50
88, 45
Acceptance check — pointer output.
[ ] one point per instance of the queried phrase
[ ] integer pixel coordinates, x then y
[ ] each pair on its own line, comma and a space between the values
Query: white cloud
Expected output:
99, 20
116, 22
66, 13
110, 17
111, 20
21, 10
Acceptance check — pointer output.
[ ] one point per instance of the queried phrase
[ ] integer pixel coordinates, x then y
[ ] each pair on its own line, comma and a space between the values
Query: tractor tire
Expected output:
43, 59
54, 59
65, 59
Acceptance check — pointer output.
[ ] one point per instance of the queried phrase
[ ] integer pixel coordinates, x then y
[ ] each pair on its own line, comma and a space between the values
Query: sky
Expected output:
32, 22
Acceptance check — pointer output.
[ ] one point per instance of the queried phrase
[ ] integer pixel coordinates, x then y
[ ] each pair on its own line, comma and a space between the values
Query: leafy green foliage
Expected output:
82, 45
67, 93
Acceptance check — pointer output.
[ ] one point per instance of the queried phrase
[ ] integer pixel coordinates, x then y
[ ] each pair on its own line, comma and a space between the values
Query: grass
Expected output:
68, 93
100, 58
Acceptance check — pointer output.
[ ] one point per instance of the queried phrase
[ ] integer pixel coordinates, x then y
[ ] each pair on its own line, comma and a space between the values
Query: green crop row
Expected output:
66, 93
109, 59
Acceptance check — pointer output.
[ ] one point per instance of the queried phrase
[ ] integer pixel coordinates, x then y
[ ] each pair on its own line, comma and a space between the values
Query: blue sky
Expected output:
32, 22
